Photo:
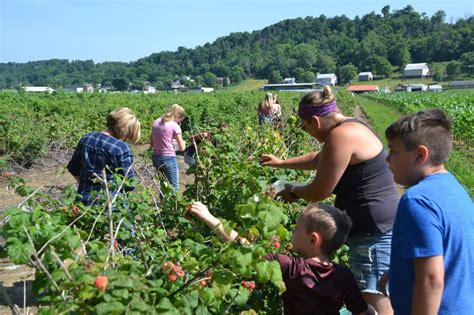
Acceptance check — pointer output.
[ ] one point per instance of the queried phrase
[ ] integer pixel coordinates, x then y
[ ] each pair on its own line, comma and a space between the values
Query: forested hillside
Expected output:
298, 47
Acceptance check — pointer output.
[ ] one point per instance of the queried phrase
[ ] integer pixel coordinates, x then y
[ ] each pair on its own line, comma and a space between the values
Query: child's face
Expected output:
402, 163
301, 240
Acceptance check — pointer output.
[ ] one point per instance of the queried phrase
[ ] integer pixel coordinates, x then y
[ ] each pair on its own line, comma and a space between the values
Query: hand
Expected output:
285, 194
383, 283
200, 211
270, 160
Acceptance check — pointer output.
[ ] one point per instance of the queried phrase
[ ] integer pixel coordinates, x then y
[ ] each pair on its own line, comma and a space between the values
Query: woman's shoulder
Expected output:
351, 128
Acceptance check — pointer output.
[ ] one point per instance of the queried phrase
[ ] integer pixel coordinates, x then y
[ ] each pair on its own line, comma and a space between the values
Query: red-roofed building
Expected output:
363, 88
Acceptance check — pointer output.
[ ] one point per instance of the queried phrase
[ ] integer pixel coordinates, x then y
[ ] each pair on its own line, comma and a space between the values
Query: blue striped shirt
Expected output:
97, 151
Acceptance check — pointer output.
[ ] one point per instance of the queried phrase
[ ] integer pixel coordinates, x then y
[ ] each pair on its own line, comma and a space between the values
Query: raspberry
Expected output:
172, 277
101, 282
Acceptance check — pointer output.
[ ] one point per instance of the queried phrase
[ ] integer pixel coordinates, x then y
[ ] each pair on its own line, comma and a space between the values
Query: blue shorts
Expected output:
369, 258
169, 167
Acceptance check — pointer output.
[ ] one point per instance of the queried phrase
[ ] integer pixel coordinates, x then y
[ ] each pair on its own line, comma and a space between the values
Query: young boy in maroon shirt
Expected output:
314, 284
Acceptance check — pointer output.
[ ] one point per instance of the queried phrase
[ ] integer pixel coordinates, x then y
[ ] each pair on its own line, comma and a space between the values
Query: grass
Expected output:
380, 115
461, 160
246, 85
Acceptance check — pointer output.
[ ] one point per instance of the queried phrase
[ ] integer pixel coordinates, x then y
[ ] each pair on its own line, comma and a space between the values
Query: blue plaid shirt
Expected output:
97, 151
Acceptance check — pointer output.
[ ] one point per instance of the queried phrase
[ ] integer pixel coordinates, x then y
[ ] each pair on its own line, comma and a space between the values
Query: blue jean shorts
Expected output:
369, 258
169, 167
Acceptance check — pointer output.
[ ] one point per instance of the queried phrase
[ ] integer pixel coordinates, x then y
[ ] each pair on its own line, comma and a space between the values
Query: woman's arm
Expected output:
304, 162
181, 144
332, 162
370, 311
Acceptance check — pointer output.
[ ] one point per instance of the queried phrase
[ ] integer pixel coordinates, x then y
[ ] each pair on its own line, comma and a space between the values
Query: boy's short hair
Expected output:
331, 223
431, 128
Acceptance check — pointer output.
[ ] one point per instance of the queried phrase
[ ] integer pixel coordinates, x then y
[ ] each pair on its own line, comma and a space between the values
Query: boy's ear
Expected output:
422, 155
316, 239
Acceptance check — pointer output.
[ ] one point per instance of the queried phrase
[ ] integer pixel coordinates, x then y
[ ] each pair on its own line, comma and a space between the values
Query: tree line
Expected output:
300, 48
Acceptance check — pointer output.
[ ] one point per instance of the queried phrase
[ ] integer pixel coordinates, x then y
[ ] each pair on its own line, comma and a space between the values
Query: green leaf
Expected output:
120, 293
264, 272
223, 277
19, 252
246, 211
140, 305
109, 308
191, 299
202, 310
195, 247
242, 260
242, 297
220, 290
19, 220
24, 190
282, 232
165, 306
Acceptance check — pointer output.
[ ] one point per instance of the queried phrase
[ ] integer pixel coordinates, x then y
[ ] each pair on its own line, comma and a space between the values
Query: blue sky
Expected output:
125, 30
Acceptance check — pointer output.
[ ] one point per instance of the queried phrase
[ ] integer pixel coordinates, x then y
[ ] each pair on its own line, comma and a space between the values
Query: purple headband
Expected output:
307, 111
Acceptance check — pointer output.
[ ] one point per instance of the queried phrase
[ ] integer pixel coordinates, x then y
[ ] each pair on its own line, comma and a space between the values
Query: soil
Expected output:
51, 176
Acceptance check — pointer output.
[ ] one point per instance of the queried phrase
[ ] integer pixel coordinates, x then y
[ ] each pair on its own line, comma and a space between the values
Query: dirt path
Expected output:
50, 175
359, 114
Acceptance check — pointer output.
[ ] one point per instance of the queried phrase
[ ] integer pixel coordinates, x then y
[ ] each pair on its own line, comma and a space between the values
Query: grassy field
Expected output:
461, 160
246, 85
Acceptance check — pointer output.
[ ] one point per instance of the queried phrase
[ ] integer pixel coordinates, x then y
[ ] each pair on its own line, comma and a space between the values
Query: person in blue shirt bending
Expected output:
107, 150
432, 261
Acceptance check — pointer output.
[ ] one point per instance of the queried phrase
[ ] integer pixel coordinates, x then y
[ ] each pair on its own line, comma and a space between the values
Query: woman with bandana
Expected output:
352, 166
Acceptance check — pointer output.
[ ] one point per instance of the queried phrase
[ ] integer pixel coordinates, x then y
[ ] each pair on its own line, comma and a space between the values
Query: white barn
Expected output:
326, 79
416, 70
366, 76
288, 81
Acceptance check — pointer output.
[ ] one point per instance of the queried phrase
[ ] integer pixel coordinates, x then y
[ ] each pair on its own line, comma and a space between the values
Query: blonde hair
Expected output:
332, 224
173, 113
318, 98
269, 101
267, 104
124, 125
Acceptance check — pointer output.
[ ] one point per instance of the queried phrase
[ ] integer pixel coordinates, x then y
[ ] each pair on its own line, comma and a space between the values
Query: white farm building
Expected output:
326, 79
416, 70
366, 76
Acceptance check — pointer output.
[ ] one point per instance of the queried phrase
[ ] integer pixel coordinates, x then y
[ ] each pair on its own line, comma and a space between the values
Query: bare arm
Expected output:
181, 144
202, 213
332, 162
151, 137
428, 285
304, 162
370, 311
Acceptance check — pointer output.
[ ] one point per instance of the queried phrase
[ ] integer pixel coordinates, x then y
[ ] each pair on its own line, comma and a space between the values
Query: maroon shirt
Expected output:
315, 288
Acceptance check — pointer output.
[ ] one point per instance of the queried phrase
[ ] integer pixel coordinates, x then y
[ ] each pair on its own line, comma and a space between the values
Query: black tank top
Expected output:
367, 192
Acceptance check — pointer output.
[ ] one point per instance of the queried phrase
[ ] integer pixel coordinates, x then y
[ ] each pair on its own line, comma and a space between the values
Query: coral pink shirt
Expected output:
163, 135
